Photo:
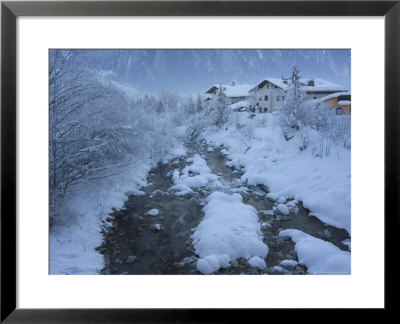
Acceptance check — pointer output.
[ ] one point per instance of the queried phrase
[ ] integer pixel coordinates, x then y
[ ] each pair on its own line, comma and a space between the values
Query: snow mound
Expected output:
229, 228
283, 209
265, 224
320, 257
278, 269
153, 212
196, 175
272, 196
292, 204
135, 192
212, 263
257, 262
281, 200
288, 264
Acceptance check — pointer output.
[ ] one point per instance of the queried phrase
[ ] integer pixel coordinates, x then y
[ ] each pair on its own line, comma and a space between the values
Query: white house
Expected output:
269, 93
232, 93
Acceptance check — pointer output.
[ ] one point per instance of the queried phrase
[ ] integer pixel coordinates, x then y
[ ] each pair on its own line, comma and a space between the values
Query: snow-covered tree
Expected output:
219, 109
293, 110
199, 104
90, 133
253, 101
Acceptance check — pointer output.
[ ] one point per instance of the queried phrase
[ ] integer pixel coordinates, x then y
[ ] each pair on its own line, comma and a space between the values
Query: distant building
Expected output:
340, 102
232, 93
269, 93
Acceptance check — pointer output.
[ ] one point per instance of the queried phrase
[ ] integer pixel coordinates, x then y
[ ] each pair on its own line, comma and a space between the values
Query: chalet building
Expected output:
269, 94
339, 101
232, 93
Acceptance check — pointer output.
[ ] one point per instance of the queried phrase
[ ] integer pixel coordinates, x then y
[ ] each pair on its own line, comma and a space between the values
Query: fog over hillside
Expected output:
147, 71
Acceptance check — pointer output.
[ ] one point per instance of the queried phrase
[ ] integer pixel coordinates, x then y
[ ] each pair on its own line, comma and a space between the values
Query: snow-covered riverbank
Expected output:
74, 243
308, 174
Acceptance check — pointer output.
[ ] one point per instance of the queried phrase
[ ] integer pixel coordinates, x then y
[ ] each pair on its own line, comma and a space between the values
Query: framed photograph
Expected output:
176, 160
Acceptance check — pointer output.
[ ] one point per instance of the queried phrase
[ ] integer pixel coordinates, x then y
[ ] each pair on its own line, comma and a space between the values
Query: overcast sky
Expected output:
147, 71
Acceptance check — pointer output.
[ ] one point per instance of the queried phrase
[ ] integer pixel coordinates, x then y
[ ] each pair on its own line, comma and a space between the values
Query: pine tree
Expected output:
221, 109
292, 110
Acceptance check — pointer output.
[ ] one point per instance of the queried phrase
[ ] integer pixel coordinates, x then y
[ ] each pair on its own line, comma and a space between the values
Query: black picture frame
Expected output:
10, 10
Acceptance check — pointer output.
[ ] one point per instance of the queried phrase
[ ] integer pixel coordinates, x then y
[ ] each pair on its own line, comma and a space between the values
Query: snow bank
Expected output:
229, 228
73, 245
323, 185
195, 175
320, 257
266, 158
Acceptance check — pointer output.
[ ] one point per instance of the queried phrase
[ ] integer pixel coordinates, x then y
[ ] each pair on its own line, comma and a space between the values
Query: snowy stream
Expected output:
152, 233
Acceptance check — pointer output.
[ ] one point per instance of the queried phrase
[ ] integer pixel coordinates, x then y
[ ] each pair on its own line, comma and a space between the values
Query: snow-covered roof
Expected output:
239, 104
333, 95
213, 88
232, 91
319, 85
278, 82
239, 90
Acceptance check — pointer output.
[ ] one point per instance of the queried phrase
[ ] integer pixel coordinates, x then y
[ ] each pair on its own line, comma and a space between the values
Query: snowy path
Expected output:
168, 231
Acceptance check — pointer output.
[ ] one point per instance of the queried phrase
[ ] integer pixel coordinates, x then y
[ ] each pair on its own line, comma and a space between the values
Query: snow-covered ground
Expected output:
320, 180
320, 257
230, 230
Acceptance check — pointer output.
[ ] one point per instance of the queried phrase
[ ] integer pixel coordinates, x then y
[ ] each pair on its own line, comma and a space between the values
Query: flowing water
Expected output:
137, 243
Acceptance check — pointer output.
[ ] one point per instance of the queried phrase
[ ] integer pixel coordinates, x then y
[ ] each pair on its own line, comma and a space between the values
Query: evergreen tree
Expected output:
220, 109
293, 108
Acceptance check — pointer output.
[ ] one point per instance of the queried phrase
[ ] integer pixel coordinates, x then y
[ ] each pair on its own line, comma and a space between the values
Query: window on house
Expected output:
314, 97
344, 97
278, 98
265, 98
283, 98
267, 85
310, 83
339, 111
